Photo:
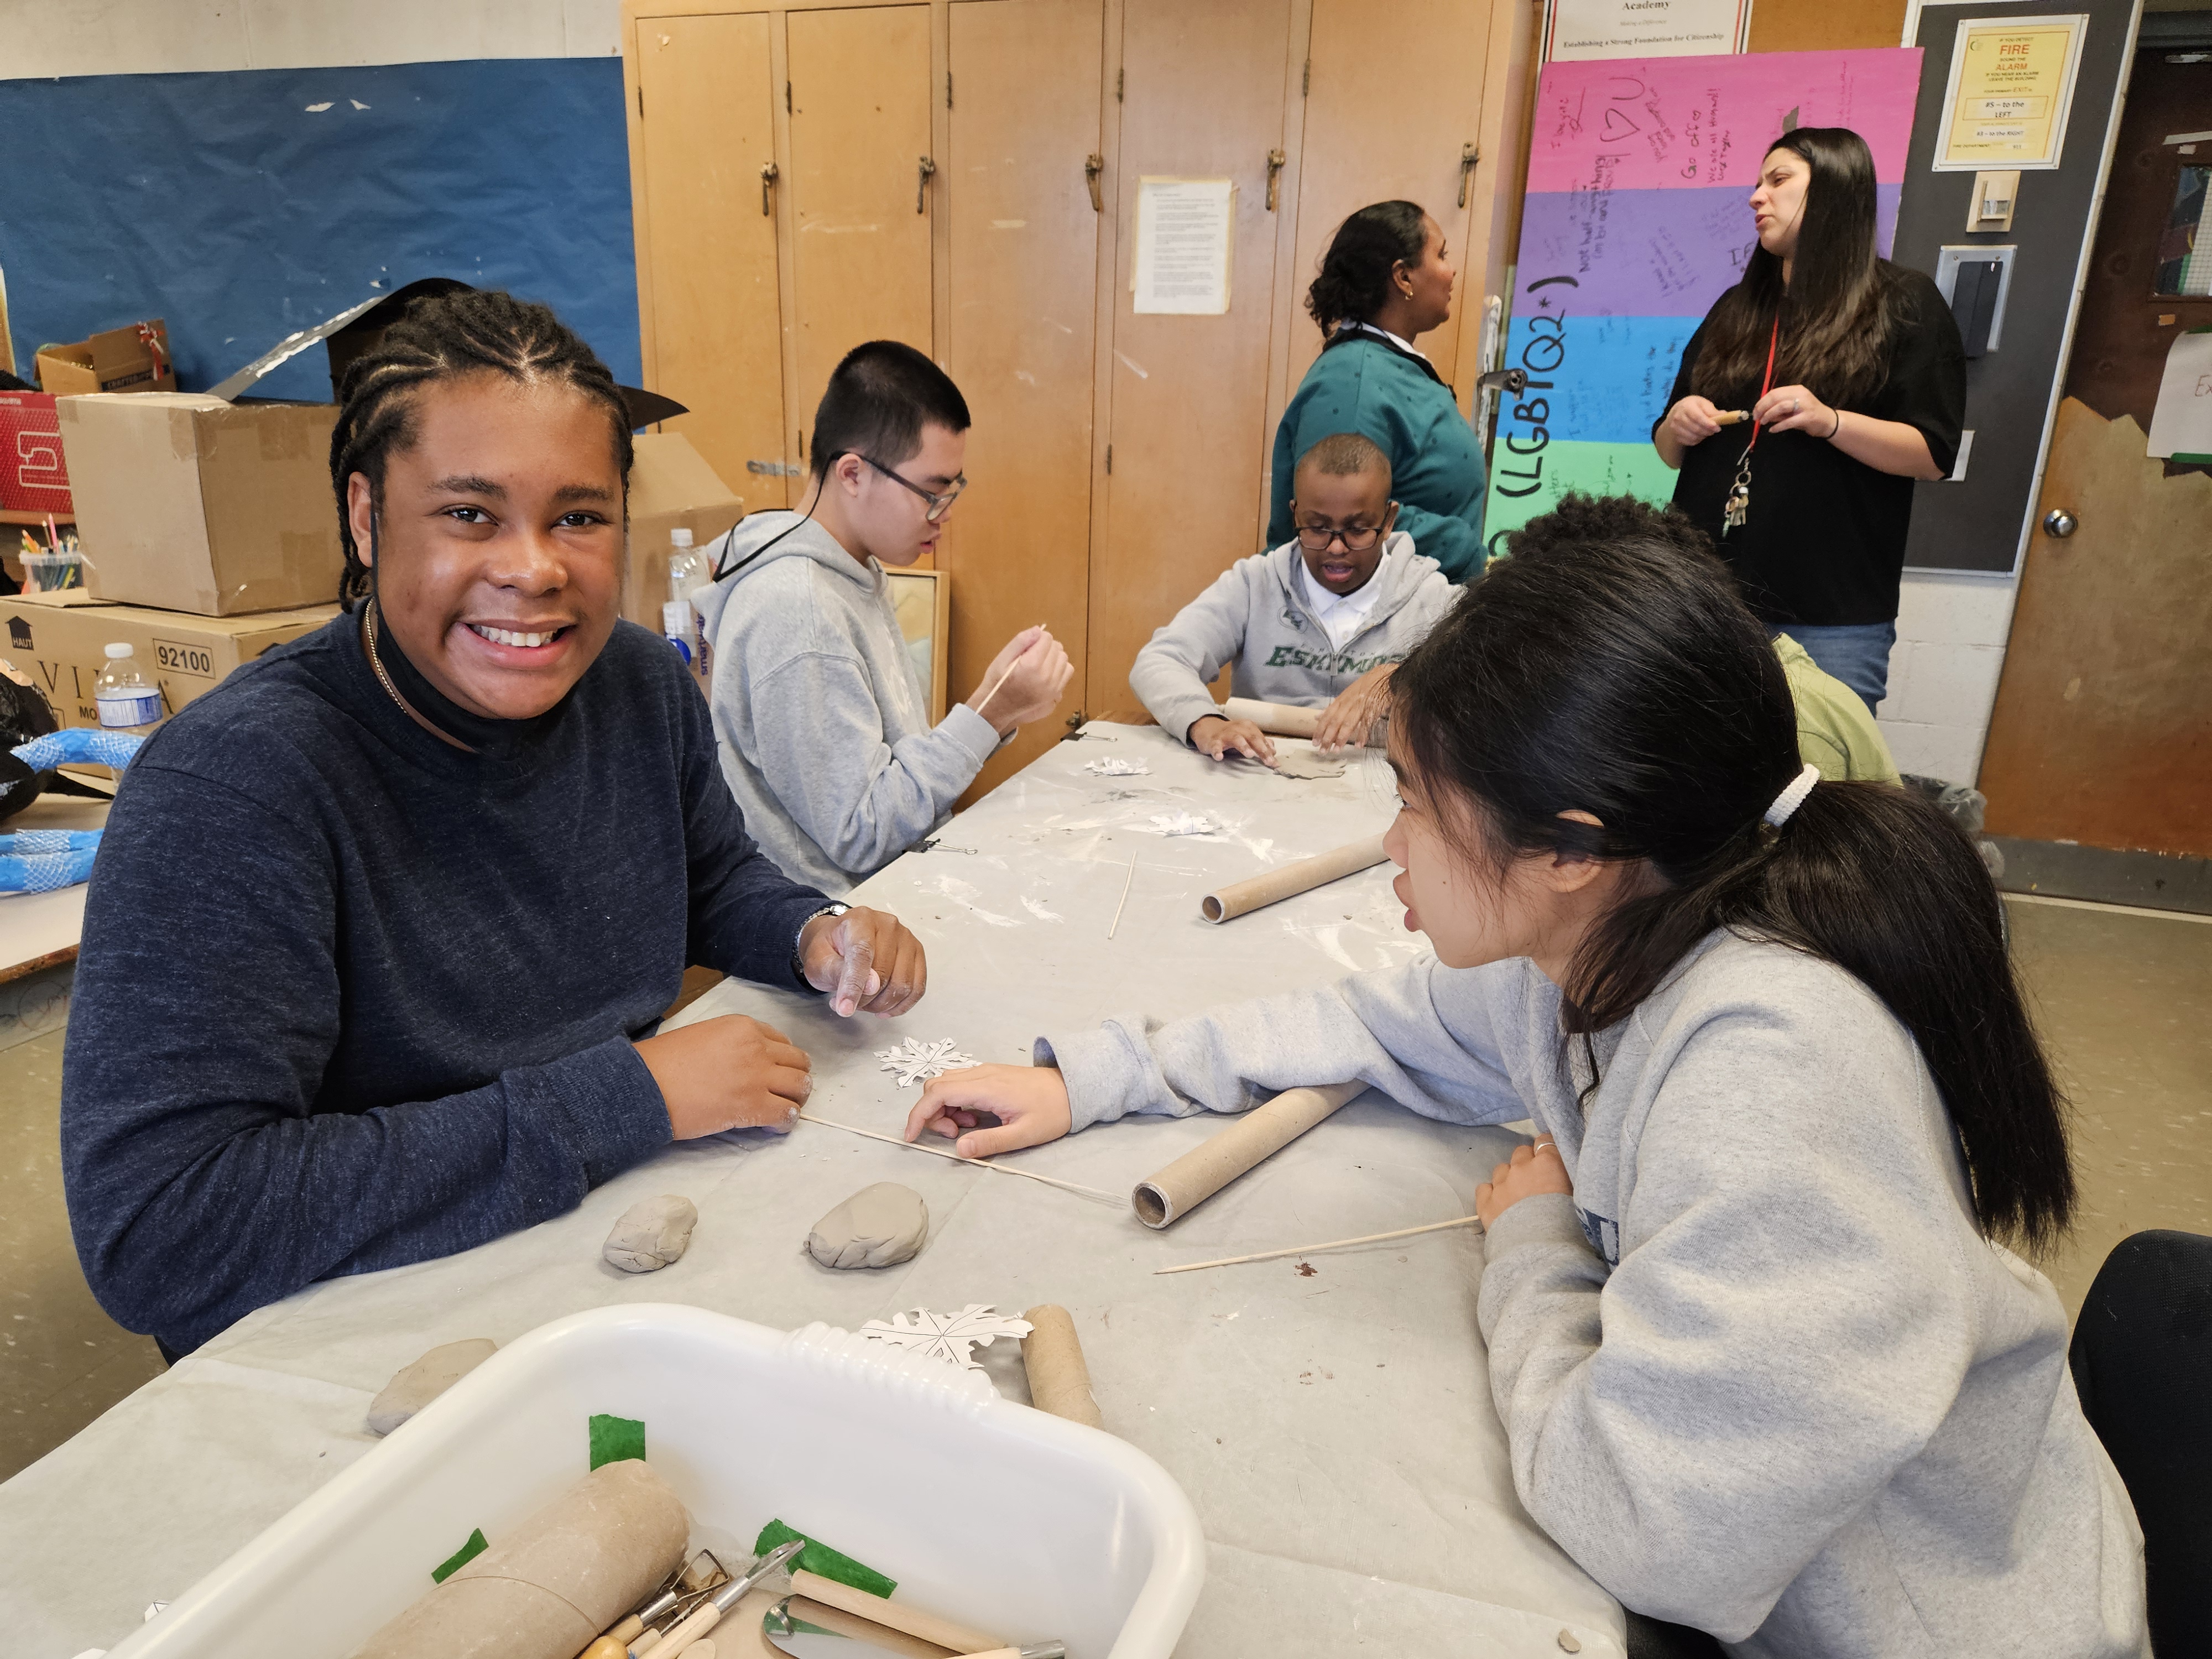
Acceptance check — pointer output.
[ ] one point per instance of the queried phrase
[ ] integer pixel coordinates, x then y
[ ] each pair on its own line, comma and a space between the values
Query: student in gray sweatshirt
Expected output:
820, 720
1766, 1363
1321, 622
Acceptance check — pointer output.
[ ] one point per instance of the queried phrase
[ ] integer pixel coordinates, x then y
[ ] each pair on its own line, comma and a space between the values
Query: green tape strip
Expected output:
614, 1438
818, 1558
460, 1557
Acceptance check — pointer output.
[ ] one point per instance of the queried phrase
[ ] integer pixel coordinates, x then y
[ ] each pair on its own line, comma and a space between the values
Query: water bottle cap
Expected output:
119, 650
679, 537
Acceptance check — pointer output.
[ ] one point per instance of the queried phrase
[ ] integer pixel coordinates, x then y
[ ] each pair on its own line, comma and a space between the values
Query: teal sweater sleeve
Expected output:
1435, 464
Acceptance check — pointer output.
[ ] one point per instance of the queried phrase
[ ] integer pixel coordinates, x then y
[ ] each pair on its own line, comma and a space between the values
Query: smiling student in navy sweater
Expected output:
381, 927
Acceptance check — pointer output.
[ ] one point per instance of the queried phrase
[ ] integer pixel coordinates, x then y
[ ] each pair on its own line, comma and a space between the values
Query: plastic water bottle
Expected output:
683, 626
127, 700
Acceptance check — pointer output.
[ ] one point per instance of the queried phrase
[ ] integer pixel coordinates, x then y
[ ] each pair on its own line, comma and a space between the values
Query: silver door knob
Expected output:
2059, 524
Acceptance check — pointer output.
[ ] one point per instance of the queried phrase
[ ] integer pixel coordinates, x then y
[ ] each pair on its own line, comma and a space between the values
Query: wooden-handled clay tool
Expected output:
1731, 417
787, 1630
688, 1584
698, 1623
881, 1610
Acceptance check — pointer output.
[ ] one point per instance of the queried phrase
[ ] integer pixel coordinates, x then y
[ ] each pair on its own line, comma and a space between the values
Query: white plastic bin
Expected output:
1002, 1517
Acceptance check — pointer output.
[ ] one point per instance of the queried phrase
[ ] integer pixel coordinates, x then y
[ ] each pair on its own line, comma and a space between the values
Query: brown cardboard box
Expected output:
670, 485
189, 503
63, 649
133, 359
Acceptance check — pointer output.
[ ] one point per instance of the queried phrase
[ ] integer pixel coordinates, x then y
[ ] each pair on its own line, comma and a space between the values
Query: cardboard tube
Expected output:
550, 1586
1287, 719
1289, 880
1060, 1383
1205, 1170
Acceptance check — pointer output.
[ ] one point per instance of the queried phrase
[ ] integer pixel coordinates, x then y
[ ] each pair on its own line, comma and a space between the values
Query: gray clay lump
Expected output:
651, 1233
879, 1226
418, 1384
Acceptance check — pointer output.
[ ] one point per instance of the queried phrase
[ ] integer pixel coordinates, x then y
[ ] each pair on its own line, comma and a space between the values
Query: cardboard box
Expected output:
670, 486
189, 503
132, 359
34, 475
63, 649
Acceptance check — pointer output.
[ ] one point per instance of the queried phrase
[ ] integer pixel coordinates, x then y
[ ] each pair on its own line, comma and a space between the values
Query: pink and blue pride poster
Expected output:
1640, 174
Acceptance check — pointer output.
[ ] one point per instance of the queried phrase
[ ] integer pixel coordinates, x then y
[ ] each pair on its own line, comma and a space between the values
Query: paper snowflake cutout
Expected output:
1114, 766
1184, 824
949, 1337
914, 1060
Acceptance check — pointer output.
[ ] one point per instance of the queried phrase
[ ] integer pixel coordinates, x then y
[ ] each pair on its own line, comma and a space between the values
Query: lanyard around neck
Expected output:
1766, 385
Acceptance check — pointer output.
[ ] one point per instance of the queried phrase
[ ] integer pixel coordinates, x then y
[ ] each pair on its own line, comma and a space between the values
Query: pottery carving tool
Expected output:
685, 1589
1731, 417
815, 1632
703, 1618
984, 701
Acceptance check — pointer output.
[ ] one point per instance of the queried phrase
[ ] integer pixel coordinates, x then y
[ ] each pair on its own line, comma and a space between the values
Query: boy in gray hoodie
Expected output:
820, 717
1321, 620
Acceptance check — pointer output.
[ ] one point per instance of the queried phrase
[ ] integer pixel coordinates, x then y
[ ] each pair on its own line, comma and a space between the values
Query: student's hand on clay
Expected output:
1030, 1101
1212, 736
1031, 690
1533, 1169
1794, 408
733, 1072
866, 960
1690, 421
1352, 715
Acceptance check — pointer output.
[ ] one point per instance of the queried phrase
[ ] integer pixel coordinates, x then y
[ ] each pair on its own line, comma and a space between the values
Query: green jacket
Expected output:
1834, 730
1364, 386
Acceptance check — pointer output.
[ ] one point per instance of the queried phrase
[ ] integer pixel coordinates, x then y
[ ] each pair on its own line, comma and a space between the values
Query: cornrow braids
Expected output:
441, 337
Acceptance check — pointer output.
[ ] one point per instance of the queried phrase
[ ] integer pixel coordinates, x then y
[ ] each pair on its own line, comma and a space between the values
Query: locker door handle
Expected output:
1276, 161
921, 186
1092, 167
768, 183
1468, 156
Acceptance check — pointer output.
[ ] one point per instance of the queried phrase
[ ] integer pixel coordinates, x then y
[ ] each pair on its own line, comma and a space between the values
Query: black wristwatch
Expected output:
797, 962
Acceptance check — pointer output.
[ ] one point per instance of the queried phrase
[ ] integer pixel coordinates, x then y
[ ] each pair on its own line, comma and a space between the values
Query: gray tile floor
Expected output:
2123, 998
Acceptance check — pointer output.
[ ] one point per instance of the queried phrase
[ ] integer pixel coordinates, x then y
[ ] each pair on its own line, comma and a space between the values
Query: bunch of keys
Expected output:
1738, 504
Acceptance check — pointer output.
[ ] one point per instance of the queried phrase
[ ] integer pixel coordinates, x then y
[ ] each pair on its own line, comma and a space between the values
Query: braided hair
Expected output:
441, 337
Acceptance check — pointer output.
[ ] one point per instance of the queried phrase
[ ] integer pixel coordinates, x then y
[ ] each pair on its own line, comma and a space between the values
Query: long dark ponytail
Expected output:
1839, 310
1608, 666
1354, 283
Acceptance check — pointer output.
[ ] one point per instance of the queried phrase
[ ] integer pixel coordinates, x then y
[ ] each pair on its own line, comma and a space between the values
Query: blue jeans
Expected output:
1858, 653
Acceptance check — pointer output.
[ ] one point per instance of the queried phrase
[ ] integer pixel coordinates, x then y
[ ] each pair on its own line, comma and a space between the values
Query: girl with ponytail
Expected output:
1768, 1363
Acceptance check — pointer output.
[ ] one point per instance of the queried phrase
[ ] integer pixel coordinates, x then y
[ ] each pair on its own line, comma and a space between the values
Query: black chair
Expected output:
2142, 1364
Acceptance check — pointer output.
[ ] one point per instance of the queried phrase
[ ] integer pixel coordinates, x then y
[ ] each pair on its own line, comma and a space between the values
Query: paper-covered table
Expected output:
1331, 1419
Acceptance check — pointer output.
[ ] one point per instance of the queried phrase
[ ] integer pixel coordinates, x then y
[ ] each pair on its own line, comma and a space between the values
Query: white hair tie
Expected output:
1793, 797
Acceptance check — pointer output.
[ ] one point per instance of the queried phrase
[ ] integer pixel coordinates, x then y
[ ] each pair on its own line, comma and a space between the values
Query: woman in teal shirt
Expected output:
1383, 283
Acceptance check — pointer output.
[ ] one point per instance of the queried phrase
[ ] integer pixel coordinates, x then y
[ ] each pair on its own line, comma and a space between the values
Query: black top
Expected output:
1824, 541
351, 998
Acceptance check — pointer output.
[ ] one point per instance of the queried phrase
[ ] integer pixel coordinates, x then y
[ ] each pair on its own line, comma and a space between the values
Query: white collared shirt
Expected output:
1342, 615
1384, 333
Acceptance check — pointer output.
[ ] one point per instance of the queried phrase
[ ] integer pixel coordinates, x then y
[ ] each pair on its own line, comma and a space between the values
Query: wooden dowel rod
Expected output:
976, 1163
1310, 1249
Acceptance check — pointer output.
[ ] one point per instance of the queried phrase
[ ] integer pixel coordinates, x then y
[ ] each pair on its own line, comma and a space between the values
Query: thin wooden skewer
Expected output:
984, 701
1309, 1250
978, 1162
1126, 880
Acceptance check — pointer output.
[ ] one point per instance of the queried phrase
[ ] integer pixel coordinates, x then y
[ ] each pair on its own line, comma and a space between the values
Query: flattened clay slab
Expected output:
651, 1233
1305, 764
418, 1384
879, 1226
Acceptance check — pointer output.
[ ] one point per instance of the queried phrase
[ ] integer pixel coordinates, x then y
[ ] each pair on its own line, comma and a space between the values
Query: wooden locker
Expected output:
1203, 96
1383, 123
707, 255
1026, 82
859, 112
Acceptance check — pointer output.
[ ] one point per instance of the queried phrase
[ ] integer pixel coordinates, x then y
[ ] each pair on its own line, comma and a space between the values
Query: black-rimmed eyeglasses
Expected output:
939, 505
1316, 538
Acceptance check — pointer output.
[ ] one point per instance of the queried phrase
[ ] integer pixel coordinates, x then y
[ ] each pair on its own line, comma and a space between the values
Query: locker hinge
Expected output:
1109, 460
802, 442
1468, 156
948, 89
1276, 162
787, 97
1305, 83
641, 103
1121, 79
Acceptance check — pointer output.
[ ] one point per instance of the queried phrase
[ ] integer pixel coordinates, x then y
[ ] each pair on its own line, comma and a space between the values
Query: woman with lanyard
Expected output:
1814, 394
1385, 282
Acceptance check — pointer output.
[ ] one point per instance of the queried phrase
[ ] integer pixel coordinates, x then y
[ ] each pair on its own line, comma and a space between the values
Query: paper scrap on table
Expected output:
1182, 267
916, 1061
1114, 766
949, 1337
1184, 824
2181, 420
